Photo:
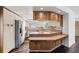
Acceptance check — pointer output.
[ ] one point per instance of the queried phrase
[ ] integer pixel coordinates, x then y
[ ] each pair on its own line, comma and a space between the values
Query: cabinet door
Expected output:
39, 15
61, 20
12, 30
53, 17
42, 16
9, 36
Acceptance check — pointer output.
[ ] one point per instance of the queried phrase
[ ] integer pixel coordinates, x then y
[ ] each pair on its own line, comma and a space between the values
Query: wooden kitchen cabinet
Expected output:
34, 45
54, 17
58, 42
40, 15
46, 15
46, 44
61, 20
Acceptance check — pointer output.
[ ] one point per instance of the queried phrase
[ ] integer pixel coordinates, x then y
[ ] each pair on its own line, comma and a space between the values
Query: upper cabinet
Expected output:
40, 15
53, 16
46, 15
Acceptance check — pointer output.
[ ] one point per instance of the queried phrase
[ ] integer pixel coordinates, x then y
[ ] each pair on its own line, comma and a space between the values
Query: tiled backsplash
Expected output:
45, 24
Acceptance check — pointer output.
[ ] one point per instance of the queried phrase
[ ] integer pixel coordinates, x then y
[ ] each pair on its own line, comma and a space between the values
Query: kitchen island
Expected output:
46, 44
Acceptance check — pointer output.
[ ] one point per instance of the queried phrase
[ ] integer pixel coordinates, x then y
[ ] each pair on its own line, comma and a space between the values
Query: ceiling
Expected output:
75, 9
48, 8
25, 10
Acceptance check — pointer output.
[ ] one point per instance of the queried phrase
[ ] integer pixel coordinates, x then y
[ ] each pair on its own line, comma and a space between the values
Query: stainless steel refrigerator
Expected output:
18, 33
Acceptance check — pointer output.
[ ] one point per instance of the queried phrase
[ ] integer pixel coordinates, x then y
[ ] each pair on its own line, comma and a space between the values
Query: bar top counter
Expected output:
56, 37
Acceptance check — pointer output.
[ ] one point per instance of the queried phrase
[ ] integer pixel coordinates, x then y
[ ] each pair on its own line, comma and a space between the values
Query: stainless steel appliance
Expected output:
18, 33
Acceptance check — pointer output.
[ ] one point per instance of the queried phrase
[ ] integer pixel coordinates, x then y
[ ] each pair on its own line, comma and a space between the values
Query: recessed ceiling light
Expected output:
41, 8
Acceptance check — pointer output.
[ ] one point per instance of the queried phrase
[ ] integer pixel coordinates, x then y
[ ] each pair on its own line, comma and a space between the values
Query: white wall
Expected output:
66, 28
71, 25
65, 23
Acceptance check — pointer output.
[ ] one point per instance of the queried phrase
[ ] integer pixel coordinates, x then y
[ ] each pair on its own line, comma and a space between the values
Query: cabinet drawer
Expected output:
41, 45
47, 45
34, 45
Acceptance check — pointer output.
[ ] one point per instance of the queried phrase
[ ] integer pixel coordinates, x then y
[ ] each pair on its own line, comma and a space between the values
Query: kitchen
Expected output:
39, 29
43, 27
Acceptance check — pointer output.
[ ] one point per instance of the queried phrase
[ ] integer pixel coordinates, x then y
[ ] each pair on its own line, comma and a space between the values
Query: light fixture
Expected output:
41, 8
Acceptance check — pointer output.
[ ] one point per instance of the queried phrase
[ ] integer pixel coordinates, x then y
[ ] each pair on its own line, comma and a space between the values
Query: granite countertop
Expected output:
56, 37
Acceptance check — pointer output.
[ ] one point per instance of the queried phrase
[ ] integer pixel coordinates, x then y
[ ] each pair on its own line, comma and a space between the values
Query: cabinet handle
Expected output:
11, 25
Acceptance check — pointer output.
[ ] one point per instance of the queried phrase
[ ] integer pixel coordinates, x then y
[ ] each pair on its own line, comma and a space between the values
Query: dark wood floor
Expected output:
74, 48
62, 49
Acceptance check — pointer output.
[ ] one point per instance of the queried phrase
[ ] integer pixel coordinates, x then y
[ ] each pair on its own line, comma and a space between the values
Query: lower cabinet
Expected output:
43, 45
34, 45
58, 42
